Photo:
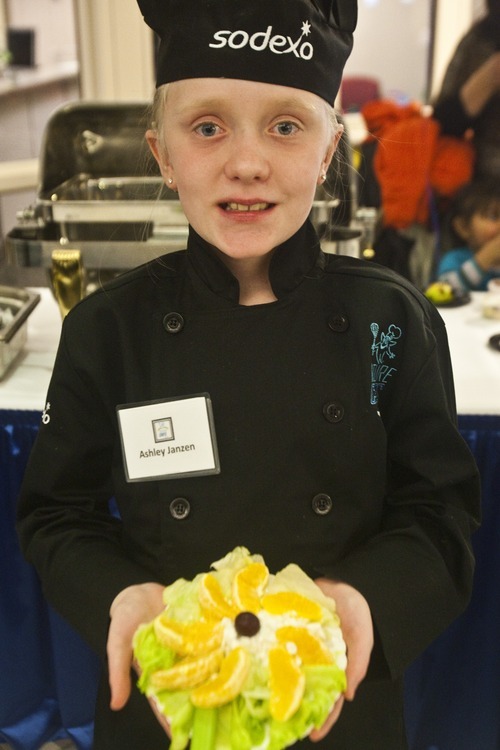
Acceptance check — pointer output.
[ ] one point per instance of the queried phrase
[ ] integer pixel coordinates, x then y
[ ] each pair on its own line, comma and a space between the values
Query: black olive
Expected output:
246, 623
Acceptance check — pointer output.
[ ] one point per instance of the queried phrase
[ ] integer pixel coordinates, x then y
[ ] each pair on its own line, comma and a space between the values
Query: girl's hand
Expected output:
357, 628
132, 607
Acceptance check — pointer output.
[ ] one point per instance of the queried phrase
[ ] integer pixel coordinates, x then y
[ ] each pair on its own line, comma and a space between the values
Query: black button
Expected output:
180, 508
322, 504
173, 322
333, 412
338, 323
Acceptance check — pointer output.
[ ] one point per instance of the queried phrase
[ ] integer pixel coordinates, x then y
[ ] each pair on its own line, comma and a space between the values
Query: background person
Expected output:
474, 219
470, 94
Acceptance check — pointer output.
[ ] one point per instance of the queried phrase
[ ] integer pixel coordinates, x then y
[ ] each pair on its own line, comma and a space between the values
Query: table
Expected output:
453, 689
476, 366
25, 385
49, 675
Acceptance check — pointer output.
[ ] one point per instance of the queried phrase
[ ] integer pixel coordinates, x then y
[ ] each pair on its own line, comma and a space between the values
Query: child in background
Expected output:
475, 223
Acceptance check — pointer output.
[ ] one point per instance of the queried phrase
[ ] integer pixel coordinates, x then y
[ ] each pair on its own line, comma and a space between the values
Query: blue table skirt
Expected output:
453, 690
48, 676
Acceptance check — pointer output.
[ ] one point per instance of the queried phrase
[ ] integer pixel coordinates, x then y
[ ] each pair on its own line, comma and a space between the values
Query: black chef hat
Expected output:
299, 43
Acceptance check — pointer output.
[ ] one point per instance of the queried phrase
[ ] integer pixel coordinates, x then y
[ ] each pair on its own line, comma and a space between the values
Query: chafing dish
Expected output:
100, 192
16, 305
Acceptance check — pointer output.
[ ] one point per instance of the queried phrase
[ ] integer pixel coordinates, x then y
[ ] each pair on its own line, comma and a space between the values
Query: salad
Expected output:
242, 658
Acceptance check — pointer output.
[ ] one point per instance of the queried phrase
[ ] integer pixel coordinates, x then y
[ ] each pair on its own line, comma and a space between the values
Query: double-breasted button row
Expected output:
173, 322
180, 508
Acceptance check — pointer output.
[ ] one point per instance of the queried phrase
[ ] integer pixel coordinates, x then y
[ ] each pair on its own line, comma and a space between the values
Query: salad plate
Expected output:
243, 658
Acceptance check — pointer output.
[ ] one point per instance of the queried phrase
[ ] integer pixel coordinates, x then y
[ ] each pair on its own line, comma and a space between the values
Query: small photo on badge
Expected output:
163, 429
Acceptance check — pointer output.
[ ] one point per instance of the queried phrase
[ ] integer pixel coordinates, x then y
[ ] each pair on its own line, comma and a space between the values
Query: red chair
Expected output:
355, 91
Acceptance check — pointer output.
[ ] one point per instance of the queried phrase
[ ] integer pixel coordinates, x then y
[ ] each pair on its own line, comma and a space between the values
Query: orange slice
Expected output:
248, 585
225, 686
310, 650
212, 599
286, 684
188, 639
295, 604
188, 672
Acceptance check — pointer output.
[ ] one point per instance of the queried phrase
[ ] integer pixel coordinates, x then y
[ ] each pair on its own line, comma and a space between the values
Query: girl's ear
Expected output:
161, 157
325, 164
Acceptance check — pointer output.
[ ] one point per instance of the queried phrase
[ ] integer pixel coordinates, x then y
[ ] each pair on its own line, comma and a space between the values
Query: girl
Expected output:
324, 429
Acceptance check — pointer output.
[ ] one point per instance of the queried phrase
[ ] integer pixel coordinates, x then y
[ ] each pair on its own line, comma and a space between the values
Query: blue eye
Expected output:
207, 129
286, 128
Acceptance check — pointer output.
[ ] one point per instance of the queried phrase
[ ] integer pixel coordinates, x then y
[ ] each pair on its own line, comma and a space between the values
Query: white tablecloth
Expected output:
476, 367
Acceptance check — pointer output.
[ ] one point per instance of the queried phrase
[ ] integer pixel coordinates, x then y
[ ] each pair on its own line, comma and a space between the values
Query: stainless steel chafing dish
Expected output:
100, 193
16, 305
102, 199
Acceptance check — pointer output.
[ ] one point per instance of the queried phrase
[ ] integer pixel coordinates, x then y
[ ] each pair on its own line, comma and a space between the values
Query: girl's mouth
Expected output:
246, 207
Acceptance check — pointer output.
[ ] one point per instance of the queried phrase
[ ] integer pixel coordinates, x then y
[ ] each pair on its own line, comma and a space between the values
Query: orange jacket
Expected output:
413, 160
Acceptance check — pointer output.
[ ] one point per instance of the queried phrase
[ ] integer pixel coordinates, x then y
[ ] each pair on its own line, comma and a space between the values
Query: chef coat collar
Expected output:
290, 262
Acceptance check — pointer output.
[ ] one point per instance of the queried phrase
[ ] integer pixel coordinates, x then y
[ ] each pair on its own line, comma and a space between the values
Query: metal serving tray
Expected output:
16, 304
88, 199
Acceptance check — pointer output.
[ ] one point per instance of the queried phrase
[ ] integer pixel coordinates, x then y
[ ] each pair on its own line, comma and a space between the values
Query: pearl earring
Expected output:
170, 181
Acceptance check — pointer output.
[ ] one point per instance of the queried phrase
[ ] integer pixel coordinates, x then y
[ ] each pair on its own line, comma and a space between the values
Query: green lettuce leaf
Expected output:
151, 655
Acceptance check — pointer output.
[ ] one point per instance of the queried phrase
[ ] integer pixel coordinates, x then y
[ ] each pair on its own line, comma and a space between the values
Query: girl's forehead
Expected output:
233, 93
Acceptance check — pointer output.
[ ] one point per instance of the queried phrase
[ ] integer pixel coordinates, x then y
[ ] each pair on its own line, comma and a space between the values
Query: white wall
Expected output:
3, 25
391, 44
54, 24
116, 51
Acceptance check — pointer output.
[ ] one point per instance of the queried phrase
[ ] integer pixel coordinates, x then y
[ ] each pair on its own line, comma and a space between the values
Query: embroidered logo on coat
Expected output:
382, 351
45, 414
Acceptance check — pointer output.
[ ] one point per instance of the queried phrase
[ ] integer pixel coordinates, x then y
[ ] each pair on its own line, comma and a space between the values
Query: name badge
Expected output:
167, 439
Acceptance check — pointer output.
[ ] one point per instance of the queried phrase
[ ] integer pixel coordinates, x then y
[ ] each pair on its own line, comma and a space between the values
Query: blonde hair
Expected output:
157, 114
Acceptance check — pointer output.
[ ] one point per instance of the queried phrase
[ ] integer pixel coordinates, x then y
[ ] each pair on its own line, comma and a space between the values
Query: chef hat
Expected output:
299, 43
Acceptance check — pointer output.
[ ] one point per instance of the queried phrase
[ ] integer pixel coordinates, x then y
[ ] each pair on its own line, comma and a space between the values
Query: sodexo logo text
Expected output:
261, 40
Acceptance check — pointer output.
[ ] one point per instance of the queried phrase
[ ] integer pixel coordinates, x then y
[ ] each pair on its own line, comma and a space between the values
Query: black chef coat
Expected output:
335, 423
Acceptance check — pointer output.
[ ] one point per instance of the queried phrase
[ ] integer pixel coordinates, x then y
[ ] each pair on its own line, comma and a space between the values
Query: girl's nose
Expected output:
246, 160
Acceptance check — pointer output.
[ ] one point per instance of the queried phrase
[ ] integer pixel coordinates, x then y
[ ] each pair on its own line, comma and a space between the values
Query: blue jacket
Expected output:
458, 268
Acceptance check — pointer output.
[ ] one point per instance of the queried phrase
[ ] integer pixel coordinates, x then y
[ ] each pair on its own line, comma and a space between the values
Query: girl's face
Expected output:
245, 158
481, 227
